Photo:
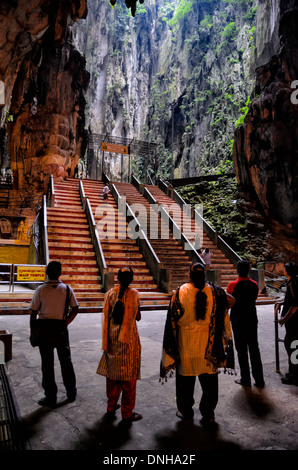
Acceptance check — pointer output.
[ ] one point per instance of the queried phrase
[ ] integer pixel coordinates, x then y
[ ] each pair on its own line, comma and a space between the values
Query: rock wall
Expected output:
197, 55
266, 147
45, 81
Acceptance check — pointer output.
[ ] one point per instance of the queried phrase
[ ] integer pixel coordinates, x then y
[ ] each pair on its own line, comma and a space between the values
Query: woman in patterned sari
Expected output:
121, 359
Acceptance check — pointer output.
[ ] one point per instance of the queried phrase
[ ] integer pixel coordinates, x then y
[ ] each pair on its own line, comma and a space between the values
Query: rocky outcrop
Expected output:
266, 147
45, 80
190, 57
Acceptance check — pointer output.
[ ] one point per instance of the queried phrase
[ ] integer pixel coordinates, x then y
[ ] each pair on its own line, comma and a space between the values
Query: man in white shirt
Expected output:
51, 302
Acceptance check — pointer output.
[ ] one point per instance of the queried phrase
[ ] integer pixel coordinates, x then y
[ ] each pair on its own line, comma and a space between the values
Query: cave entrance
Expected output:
103, 153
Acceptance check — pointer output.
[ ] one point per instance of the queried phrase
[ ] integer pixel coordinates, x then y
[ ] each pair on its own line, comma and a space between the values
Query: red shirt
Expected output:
245, 291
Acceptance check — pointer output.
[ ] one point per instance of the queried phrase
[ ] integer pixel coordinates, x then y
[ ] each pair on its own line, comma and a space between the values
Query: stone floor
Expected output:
247, 419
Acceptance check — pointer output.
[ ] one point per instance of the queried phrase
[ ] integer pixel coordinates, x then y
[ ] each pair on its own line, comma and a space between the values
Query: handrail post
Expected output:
45, 231
52, 191
276, 340
213, 235
82, 195
107, 277
160, 274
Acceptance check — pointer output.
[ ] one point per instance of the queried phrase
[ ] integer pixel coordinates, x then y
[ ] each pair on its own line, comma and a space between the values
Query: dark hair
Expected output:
206, 250
291, 269
197, 276
125, 277
243, 268
54, 270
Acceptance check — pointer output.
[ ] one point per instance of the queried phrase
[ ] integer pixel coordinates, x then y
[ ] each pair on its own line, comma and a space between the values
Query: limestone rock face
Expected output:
266, 147
45, 79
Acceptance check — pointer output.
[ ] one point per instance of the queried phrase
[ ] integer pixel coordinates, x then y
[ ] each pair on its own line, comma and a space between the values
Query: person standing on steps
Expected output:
105, 192
289, 318
207, 255
51, 302
245, 326
197, 326
121, 359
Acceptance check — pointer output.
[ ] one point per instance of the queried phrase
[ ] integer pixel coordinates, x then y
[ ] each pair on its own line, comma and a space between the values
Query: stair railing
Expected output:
161, 275
44, 232
213, 275
212, 234
136, 183
51, 192
107, 277
192, 254
255, 274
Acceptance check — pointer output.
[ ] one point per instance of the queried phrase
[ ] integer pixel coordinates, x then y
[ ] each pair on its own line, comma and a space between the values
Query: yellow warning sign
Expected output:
31, 273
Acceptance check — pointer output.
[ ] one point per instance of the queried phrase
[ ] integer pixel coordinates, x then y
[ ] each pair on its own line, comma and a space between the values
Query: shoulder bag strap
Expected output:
66, 308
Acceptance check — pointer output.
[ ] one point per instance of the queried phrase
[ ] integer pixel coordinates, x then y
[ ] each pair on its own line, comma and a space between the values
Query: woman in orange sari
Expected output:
121, 359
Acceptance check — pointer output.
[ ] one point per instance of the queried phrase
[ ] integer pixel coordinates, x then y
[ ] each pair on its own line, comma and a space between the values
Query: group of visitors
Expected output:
199, 338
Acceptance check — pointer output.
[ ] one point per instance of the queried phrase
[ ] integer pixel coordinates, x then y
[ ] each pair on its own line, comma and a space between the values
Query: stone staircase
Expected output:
167, 248
119, 249
170, 251
188, 226
70, 243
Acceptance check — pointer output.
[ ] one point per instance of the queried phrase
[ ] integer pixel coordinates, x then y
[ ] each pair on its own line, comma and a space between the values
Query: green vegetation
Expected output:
244, 111
197, 59
183, 9
220, 209
230, 32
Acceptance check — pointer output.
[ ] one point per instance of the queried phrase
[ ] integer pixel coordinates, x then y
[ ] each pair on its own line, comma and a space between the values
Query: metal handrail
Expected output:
192, 254
45, 243
277, 339
82, 194
13, 282
106, 275
6, 273
213, 235
51, 192
160, 274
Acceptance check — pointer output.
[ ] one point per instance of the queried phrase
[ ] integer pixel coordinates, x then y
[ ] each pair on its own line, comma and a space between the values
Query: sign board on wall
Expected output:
31, 273
115, 148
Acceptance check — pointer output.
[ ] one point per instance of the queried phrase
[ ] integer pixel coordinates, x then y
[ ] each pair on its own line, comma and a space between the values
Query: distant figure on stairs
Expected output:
105, 192
121, 359
245, 325
207, 255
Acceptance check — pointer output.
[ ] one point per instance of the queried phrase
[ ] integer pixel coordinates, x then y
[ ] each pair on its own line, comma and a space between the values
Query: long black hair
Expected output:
197, 277
125, 277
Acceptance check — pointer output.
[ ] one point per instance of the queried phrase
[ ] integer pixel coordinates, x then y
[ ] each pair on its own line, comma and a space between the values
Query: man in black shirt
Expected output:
245, 325
289, 318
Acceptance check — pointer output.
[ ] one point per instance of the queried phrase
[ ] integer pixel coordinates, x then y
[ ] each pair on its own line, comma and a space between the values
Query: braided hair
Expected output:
197, 277
125, 277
